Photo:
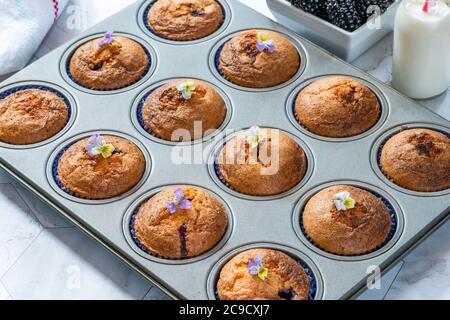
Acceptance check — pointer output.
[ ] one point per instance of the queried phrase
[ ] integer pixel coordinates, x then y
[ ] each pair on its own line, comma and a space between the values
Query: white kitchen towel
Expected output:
23, 26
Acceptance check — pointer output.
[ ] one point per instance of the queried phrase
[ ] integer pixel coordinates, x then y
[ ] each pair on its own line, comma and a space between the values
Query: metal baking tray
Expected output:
266, 221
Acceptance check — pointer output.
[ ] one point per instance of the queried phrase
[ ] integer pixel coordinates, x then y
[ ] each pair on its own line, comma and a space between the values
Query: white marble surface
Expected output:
42, 256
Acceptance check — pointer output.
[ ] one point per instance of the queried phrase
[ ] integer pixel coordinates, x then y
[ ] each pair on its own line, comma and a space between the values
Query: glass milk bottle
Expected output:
421, 67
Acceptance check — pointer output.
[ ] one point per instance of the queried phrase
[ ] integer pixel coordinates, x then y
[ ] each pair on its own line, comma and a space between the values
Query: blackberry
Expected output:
344, 14
314, 7
363, 7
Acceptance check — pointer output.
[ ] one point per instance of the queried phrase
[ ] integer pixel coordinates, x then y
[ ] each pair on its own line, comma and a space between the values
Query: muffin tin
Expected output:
264, 222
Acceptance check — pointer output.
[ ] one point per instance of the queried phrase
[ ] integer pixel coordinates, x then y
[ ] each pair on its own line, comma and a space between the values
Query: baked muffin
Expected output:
184, 20
178, 104
100, 167
418, 159
108, 63
31, 116
180, 223
346, 220
259, 59
262, 162
337, 107
263, 274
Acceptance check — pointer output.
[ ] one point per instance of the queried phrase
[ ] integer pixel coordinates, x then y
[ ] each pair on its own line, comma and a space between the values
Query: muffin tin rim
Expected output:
155, 85
140, 199
302, 52
73, 106
71, 49
389, 133
141, 18
218, 146
301, 202
214, 271
71, 140
383, 101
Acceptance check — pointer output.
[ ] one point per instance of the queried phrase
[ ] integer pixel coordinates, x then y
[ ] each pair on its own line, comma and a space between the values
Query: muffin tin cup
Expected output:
378, 147
60, 92
217, 72
213, 169
290, 109
255, 219
313, 273
148, 30
397, 221
67, 56
138, 122
56, 184
138, 247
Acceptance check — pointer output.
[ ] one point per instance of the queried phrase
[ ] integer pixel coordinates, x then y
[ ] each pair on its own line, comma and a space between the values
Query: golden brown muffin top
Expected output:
31, 116
337, 107
184, 20
418, 159
109, 66
243, 64
95, 177
166, 110
184, 233
354, 231
274, 166
286, 279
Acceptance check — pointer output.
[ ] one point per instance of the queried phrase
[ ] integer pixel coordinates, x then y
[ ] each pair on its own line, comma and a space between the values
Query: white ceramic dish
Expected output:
344, 44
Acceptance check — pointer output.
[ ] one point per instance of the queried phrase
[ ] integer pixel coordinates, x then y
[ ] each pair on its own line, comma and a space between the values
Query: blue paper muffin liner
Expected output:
149, 27
394, 223
217, 61
13, 90
139, 112
312, 279
55, 172
133, 232
380, 148
149, 65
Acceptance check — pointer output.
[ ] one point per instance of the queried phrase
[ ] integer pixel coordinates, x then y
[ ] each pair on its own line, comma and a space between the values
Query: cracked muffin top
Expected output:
110, 63
337, 107
180, 222
346, 220
263, 274
116, 168
418, 159
259, 59
262, 162
185, 20
188, 107
31, 116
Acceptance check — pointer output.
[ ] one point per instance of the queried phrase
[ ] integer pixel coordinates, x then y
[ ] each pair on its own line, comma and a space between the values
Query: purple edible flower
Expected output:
256, 268
264, 43
178, 202
107, 39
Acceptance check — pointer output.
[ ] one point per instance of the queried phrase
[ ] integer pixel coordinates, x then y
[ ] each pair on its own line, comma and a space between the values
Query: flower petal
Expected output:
171, 207
349, 203
258, 260
263, 272
339, 204
178, 195
107, 150
185, 204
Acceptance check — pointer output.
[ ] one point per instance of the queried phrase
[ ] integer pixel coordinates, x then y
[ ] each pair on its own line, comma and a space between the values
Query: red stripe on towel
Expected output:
56, 7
